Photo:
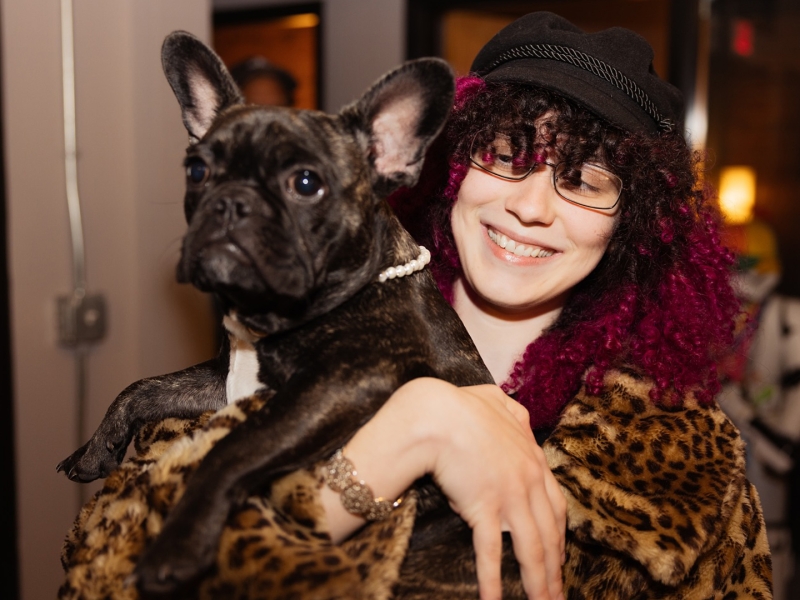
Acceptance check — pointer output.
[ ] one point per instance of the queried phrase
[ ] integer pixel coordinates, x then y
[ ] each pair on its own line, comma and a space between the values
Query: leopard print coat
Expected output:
658, 507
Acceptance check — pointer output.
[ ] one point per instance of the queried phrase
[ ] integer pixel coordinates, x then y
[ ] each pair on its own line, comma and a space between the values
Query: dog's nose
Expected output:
232, 209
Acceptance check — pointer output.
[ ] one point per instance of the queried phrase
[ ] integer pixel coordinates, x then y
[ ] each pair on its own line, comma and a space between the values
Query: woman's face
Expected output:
566, 240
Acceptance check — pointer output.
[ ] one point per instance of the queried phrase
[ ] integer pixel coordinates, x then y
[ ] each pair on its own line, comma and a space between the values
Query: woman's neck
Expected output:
501, 336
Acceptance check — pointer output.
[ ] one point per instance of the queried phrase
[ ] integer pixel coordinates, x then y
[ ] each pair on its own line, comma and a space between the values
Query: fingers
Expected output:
538, 529
531, 556
553, 499
547, 564
519, 494
538, 535
488, 542
559, 505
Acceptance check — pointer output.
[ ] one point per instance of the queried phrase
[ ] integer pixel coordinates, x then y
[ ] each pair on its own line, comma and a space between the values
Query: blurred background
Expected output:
88, 301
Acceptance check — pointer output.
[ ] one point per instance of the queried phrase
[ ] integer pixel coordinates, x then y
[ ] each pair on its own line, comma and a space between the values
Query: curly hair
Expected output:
660, 300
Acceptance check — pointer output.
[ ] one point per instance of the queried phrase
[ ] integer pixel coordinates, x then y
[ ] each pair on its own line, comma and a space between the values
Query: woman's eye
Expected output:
197, 170
597, 179
306, 184
573, 181
504, 159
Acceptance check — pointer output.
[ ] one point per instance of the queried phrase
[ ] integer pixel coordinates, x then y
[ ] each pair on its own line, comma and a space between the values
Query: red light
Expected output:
743, 37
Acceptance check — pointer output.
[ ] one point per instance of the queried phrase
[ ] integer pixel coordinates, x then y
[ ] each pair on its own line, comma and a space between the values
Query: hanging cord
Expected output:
74, 208
70, 149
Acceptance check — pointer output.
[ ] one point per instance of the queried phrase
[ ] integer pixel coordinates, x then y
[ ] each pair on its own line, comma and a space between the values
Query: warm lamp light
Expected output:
301, 21
737, 193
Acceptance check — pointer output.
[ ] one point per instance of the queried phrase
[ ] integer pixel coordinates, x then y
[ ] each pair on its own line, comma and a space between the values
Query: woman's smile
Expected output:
518, 249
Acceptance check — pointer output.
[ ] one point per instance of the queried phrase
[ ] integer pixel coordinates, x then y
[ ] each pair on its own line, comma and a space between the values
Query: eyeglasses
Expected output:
586, 185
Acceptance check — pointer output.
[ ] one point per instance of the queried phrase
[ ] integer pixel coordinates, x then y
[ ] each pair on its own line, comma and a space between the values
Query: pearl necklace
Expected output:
411, 266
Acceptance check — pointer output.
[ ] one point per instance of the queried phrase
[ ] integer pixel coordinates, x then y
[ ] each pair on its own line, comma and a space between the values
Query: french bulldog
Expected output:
327, 305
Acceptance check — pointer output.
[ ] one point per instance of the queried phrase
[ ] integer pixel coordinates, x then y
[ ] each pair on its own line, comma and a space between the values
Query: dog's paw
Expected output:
94, 460
170, 564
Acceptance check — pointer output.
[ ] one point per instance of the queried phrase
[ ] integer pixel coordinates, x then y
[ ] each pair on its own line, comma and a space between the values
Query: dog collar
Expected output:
411, 266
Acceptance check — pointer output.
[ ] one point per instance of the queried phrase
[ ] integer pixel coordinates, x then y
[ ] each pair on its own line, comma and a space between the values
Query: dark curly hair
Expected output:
659, 301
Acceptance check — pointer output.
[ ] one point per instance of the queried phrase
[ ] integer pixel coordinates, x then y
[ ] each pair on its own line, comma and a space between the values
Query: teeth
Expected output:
517, 248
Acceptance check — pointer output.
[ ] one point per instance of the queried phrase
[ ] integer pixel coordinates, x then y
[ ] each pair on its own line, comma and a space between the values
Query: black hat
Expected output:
609, 72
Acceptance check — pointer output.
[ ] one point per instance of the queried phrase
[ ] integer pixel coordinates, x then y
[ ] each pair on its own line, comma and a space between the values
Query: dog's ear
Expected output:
200, 81
399, 116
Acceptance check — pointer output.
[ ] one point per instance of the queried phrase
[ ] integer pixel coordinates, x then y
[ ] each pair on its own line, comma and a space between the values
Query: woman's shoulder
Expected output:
625, 412
660, 485
683, 451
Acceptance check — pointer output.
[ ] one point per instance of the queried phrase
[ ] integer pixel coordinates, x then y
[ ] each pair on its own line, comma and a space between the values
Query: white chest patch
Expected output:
243, 368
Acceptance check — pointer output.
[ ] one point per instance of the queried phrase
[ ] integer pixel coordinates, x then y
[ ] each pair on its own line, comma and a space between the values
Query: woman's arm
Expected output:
477, 443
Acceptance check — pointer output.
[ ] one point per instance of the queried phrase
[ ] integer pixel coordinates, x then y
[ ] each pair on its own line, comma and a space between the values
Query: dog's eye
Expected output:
197, 170
306, 184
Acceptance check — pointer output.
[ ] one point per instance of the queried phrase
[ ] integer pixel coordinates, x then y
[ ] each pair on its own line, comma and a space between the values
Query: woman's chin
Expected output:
514, 300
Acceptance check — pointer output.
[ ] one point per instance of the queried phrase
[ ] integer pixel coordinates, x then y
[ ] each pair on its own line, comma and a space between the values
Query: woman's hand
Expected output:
477, 443
497, 479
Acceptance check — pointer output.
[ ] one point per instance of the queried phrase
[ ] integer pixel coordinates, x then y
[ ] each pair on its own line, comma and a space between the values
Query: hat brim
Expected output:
603, 99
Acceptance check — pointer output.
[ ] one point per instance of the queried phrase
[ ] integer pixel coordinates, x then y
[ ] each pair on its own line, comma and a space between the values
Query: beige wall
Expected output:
130, 144
362, 39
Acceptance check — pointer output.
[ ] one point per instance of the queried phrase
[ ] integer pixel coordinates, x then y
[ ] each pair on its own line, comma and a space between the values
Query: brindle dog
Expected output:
288, 226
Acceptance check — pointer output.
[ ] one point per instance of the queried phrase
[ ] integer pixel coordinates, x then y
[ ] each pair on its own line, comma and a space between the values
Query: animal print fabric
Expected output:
658, 503
658, 507
274, 547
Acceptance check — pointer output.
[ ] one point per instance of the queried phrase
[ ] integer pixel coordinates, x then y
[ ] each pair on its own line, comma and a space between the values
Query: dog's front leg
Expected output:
300, 425
183, 394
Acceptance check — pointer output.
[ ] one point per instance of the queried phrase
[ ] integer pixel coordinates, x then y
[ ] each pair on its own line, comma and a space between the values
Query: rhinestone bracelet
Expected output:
357, 497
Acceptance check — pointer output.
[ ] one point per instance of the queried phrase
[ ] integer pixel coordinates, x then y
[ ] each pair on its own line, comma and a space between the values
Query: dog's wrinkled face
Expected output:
276, 201
285, 207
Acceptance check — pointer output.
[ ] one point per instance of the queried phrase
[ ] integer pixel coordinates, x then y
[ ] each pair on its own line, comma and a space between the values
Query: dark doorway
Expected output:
273, 46
754, 92
8, 505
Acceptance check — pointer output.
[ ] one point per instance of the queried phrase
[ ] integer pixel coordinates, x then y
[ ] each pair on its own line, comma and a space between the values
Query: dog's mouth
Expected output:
218, 263
246, 271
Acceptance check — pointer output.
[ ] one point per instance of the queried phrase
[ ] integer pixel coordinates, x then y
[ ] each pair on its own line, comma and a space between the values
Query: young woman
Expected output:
571, 234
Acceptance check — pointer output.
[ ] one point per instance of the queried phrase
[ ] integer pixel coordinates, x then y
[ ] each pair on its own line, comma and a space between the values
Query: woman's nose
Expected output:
533, 200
